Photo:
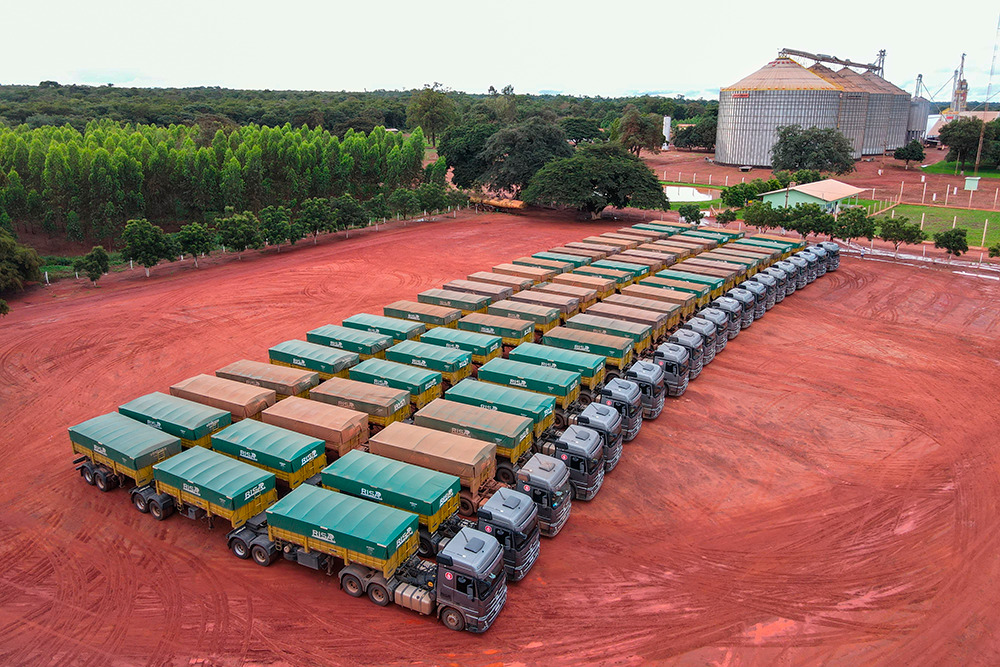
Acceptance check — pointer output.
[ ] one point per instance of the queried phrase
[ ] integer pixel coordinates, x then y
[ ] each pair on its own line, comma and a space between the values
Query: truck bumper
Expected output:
588, 491
518, 570
679, 388
654, 408
630, 429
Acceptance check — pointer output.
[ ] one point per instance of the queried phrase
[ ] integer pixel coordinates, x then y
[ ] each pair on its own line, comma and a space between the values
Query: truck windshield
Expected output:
520, 539
486, 585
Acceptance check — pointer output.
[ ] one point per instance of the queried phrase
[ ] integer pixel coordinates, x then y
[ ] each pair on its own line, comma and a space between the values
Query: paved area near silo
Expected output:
826, 491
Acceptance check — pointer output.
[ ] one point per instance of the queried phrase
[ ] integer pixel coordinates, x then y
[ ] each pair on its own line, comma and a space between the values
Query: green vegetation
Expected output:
739, 194
951, 168
699, 135
899, 230
19, 264
637, 132
812, 148
962, 136
913, 151
952, 241
938, 218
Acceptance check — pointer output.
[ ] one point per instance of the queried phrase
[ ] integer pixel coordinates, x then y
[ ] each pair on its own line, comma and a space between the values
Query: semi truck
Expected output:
734, 311
511, 331
429, 315
709, 331
453, 365
770, 285
508, 516
674, 361
695, 346
383, 405
650, 379
192, 422
466, 302
341, 429
326, 362
759, 292
290, 456
283, 381
482, 347
115, 448
834, 251
397, 329
423, 385
241, 401
748, 305
365, 344
582, 451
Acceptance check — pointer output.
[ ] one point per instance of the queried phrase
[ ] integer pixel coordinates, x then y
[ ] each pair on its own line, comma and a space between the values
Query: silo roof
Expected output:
863, 83
849, 84
886, 85
783, 74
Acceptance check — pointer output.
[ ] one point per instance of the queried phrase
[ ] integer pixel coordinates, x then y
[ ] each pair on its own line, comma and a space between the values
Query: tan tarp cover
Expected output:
443, 312
380, 401
553, 264
451, 454
659, 293
578, 280
521, 271
628, 314
609, 245
495, 321
478, 287
664, 307
588, 250
654, 264
283, 380
242, 400
647, 250
336, 426
582, 293
515, 282
644, 233
564, 303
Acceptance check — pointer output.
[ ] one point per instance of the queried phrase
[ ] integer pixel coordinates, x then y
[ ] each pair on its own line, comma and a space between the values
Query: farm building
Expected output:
830, 194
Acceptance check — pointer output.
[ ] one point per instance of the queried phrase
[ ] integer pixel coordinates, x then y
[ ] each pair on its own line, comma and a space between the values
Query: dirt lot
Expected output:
826, 491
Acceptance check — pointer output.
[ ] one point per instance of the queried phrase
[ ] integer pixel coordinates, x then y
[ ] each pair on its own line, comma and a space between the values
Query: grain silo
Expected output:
853, 107
752, 109
916, 128
879, 110
899, 119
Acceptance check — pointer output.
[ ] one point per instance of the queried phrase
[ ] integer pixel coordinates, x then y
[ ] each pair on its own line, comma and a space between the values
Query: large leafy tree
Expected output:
762, 215
637, 132
690, 212
594, 178
910, 152
961, 136
813, 148
276, 225
699, 135
581, 130
900, 230
146, 243
348, 213
516, 153
853, 223
315, 216
808, 219
19, 264
195, 239
94, 264
403, 202
953, 241
432, 109
462, 146
240, 231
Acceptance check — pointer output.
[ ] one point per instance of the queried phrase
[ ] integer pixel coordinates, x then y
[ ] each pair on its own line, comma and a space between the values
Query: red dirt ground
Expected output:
826, 491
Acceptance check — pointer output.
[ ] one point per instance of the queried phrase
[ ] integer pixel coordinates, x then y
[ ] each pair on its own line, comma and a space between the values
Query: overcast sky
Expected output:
585, 48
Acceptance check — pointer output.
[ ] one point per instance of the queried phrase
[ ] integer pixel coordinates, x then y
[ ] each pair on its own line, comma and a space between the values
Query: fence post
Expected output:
923, 194
46, 277
954, 220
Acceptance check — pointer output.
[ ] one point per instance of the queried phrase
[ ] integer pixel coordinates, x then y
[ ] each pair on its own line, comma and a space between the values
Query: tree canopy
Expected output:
514, 154
432, 110
814, 148
637, 131
19, 264
910, 152
146, 243
953, 241
595, 177
900, 230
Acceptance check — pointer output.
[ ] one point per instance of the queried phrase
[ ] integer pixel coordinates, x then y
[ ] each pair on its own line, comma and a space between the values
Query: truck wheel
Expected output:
160, 512
261, 556
102, 481
506, 475
585, 399
426, 548
140, 503
453, 620
352, 586
560, 421
240, 549
611, 375
378, 594
466, 506
88, 474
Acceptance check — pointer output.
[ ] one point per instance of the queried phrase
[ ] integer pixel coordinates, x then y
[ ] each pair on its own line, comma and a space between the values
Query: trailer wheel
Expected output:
560, 421
426, 548
466, 507
506, 474
261, 556
352, 586
88, 474
378, 594
611, 375
160, 511
452, 619
103, 481
585, 399
140, 503
240, 549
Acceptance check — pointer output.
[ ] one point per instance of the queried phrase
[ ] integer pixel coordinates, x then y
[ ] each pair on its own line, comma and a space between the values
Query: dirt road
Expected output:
827, 490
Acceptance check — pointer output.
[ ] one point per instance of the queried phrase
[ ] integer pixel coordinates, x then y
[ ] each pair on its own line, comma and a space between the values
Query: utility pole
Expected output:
982, 126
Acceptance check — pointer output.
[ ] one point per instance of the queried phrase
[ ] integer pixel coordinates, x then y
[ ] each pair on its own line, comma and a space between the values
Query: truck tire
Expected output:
140, 503
103, 481
611, 375
87, 473
352, 586
452, 619
379, 595
426, 548
561, 422
506, 474
260, 554
239, 548
465, 506
160, 510
585, 399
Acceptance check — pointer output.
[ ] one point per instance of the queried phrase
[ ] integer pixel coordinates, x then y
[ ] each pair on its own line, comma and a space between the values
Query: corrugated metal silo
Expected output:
899, 120
916, 128
879, 111
853, 107
752, 109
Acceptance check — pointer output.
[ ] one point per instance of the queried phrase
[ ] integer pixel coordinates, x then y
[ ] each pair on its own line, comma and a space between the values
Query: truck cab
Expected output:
770, 285
782, 289
471, 581
759, 292
833, 250
748, 302
721, 335
793, 273
812, 263
607, 423
804, 276
512, 519
545, 480
734, 311
695, 346
674, 361
581, 449
625, 397
823, 256
650, 378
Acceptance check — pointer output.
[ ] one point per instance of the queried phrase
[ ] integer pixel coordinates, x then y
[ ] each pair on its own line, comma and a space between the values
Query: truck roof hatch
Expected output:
470, 550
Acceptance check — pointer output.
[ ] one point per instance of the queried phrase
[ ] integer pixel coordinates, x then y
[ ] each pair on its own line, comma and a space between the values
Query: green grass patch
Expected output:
694, 185
949, 168
938, 219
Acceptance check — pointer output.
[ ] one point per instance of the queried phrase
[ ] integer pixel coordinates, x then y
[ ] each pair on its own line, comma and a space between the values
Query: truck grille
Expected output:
616, 453
696, 365
747, 318
654, 411
708, 354
679, 388
760, 309
529, 560
771, 299
494, 609
598, 483
560, 518
631, 428
734, 329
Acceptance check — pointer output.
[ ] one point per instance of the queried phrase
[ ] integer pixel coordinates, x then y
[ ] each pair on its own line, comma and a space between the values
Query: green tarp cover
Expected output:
425, 355
792, 243
343, 521
711, 281
124, 441
389, 482
578, 340
176, 416
721, 237
352, 340
535, 407
271, 446
388, 326
691, 288
214, 477
397, 376
540, 263
635, 270
495, 325
452, 299
575, 260
472, 421
603, 272
479, 344
653, 228
524, 311
583, 363
611, 327
528, 376
313, 356
767, 244
733, 259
